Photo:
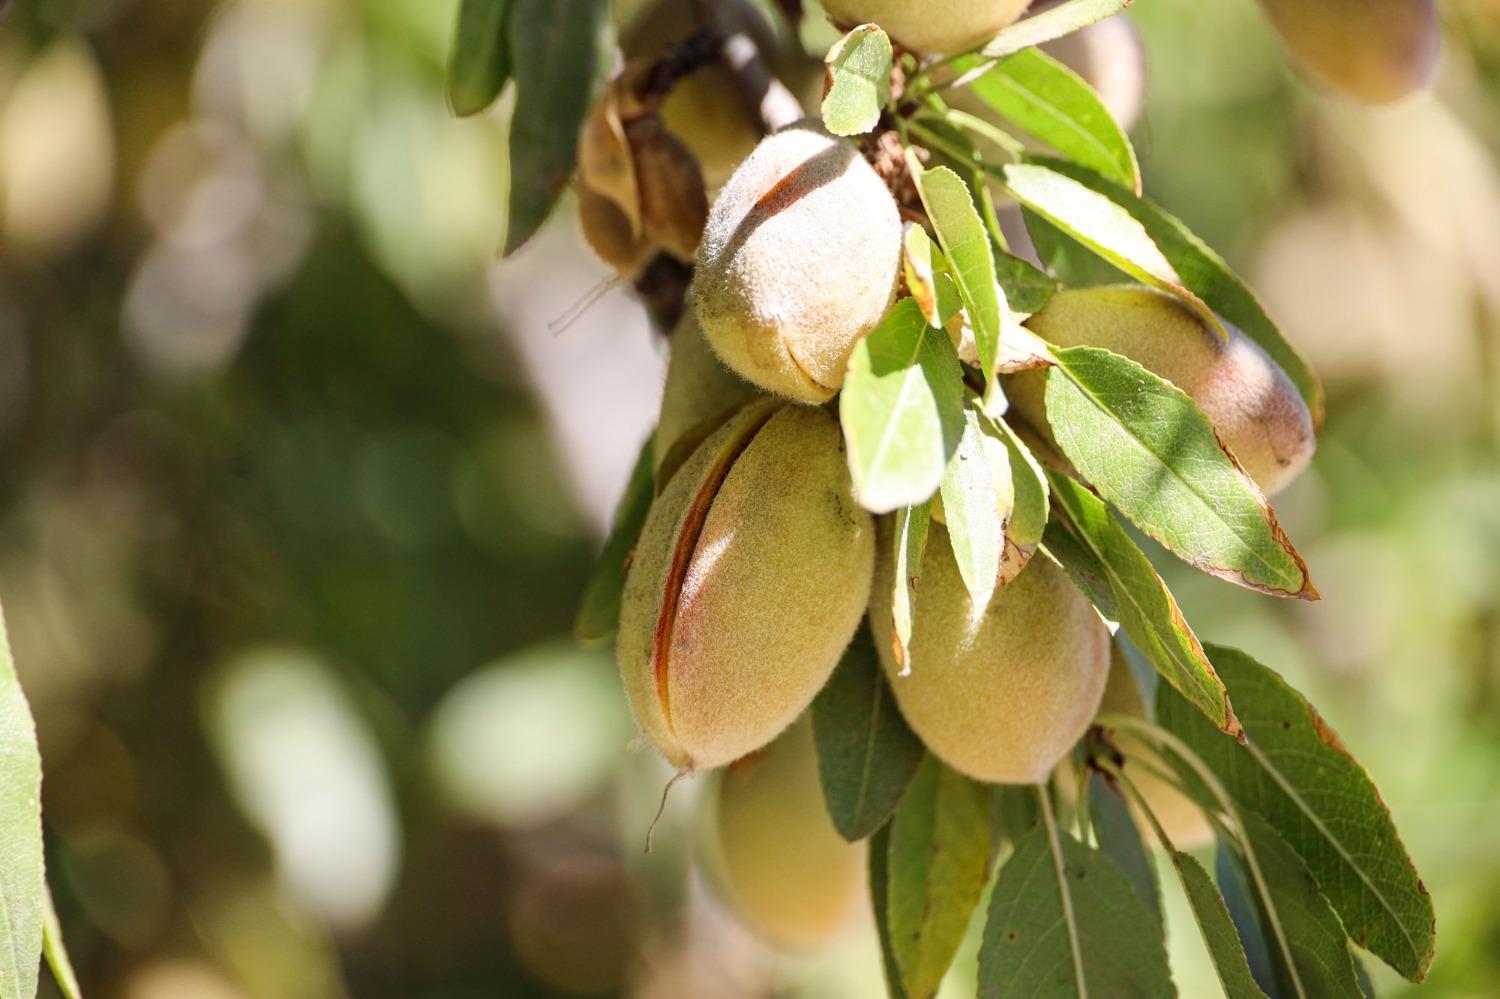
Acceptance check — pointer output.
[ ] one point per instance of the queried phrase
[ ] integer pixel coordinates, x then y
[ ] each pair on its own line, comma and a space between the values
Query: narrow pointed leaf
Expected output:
928, 279
859, 65
1217, 929
56, 952
866, 754
1028, 519
939, 861
978, 497
23, 885
910, 525
1055, 105
971, 258
1309, 953
1239, 901
1146, 609
559, 62
1101, 225
1026, 288
599, 611
879, 876
1065, 922
1206, 274
1148, 449
902, 410
1064, 19
1295, 773
479, 63
1120, 838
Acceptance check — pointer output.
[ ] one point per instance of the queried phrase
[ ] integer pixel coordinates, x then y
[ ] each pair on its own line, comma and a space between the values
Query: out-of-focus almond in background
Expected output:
298, 489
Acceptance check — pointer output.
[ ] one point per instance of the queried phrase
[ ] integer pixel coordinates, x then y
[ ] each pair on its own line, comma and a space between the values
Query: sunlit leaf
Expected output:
1064, 19
1101, 225
1057, 106
479, 63
901, 409
978, 497
928, 279
1097, 549
23, 885
1295, 772
910, 526
939, 861
971, 258
599, 610
1148, 449
1064, 921
1206, 274
866, 753
558, 63
860, 67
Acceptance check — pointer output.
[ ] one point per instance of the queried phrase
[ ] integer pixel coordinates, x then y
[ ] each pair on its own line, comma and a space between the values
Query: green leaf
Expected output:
978, 497
1217, 929
1208, 276
1064, 19
1084, 568
559, 63
1293, 771
1308, 950
866, 754
928, 278
1055, 105
479, 63
1147, 448
599, 611
1028, 520
971, 258
880, 878
902, 410
939, 862
56, 951
1145, 608
1101, 225
1120, 839
23, 885
1239, 900
910, 528
1064, 921
860, 67
1026, 288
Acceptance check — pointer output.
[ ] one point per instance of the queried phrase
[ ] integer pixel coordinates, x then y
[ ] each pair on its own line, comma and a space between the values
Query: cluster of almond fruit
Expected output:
757, 563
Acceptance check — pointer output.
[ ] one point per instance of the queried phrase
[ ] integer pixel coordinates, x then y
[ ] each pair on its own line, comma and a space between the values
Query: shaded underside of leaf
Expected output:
558, 62
1295, 773
1217, 928
599, 610
1028, 945
1144, 606
939, 862
866, 753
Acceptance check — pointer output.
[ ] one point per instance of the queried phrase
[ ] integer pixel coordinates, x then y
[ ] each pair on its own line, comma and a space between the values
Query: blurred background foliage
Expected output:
297, 492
